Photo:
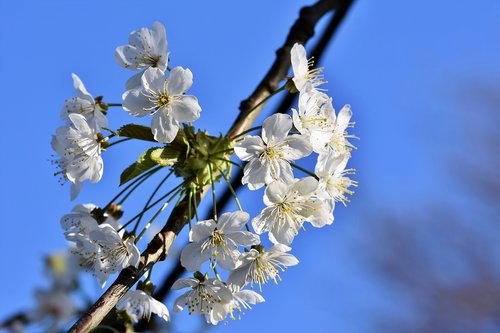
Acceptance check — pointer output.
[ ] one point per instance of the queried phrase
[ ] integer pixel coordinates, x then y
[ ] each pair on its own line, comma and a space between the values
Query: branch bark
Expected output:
157, 249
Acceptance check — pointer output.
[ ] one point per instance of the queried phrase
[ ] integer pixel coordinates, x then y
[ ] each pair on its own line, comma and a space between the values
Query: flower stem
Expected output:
150, 206
214, 199
304, 170
190, 212
233, 192
195, 201
118, 141
162, 208
113, 104
228, 161
130, 185
151, 198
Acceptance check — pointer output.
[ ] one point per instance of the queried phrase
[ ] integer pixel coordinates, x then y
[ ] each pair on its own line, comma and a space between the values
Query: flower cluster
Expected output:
99, 246
226, 254
290, 202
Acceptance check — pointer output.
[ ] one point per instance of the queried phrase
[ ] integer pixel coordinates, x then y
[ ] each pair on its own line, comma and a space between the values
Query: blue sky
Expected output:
402, 65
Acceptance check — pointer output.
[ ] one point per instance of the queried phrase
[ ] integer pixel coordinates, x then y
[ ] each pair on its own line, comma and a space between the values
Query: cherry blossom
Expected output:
269, 156
165, 99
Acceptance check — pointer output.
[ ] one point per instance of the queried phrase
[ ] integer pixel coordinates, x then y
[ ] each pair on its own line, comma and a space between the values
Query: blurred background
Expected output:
416, 250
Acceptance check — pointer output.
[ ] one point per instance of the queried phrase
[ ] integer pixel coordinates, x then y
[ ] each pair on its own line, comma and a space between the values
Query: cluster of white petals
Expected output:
259, 266
79, 149
98, 240
164, 98
99, 247
217, 241
288, 207
269, 156
85, 105
137, 304
213, 298
146, 48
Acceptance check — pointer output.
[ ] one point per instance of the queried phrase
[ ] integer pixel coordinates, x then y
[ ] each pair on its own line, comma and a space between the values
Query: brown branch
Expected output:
157, 249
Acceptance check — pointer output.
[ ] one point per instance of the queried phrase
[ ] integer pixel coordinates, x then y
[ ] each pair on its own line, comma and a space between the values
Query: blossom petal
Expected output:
179, 81
276, 127
185, 283
298, 146
185, 108
135, 81
192, 257
255, 174
232, 222
153, 79
244, 238
202, 230
250, 147
275, 193
135, 103
344, 117
164, 127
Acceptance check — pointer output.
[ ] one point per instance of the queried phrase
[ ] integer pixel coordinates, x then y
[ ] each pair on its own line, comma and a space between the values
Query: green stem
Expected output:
150, 206
304, 170
134, 188
214, 199
162, 208
190, 217
228, 161
152, 196
113, 104
195, 201
233, 192
216, 273
128, 186
118, 141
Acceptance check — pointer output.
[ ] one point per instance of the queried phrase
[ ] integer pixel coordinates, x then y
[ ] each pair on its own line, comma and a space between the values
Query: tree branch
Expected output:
157, 249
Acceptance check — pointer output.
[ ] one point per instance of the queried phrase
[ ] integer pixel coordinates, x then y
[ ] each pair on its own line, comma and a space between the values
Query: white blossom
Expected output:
82, 220
103, 252
269, 156
165, 99
259, 266
337, 139
80, 152
217, 241
137, 304
208, 297
146, 48
315, 118
79, 222
241, 300
333, 181
288, 207
303, 73
54, 304
85, 105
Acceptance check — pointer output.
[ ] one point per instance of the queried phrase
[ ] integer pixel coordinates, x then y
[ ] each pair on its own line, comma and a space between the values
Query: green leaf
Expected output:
143, 164
136, 132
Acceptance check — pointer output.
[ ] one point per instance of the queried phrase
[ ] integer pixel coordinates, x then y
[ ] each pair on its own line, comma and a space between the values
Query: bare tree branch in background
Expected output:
446, 259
